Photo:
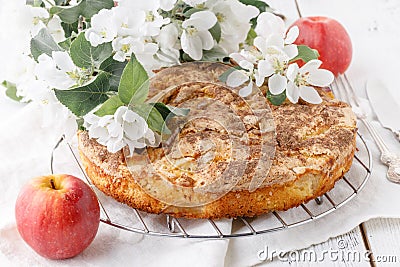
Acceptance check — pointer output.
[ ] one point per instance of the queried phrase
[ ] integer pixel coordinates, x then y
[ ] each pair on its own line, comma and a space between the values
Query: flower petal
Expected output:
275, 40
292, 35
150, 138
237, 57
246, 91
320, 77
268, 23
98, 132
135, 130
246, 65
63, 61
311, 65
260, 43
309, 94
131, 116
202, 20
119, 113
167, 5
291, 51
168, 36
114, 145
265, 68
236, 78
259, 78
292, 71
119, 56
292, 92
206, 39
277, 84
115, 130
192, 46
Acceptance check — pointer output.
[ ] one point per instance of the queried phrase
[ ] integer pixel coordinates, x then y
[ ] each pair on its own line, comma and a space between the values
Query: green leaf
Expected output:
80, 122
191, 11
66, 44
69, 28
60, 2
134, 85
276, 99
43, 43
91, 7
214, 54
305, 53
224, 76
83, 99
11, 90
114, 69
85, 8
68, 14
251, 35
34, 3
169, 111
261, 5
186, 58
86, 56
152, 116
110, 106
216, 32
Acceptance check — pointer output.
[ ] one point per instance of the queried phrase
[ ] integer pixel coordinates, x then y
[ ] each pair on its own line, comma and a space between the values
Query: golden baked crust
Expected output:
315, 145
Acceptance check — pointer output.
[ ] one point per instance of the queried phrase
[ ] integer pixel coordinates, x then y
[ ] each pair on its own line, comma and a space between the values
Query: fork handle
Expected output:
397, 134
388, 158
377, 138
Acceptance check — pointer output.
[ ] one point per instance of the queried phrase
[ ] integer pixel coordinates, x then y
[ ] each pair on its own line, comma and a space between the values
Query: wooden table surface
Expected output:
377, 239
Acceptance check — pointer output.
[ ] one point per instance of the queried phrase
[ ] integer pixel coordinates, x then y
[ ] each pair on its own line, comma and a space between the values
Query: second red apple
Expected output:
331, 40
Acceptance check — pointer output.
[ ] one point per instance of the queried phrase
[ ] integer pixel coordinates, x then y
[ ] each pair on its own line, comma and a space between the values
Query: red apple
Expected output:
331, 40
57, 215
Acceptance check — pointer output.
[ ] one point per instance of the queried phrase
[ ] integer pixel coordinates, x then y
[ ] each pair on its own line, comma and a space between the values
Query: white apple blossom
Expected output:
22, 75
153, 21
55, 29
147, 57
168, 43
167, 5
55, 114
103, 28
38, 15
48, 70
273, 66
59, 71
195, 36
144, 51
125, 46
124, 128
234, 19
302, 80
246, 60
128, 21
271, 32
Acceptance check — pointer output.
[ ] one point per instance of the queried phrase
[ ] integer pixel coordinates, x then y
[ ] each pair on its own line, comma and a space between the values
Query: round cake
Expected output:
230, 157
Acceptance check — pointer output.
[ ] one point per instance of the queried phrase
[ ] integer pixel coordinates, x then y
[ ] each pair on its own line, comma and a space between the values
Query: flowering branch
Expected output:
90, 59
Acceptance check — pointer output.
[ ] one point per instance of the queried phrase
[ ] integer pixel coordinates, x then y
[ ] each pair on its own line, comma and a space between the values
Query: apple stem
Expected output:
52, 184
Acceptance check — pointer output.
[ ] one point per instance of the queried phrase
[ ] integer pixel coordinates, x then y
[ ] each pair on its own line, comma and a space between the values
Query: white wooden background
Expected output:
378, 237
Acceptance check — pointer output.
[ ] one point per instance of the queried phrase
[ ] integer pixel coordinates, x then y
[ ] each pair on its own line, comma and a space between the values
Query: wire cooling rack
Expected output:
123, 217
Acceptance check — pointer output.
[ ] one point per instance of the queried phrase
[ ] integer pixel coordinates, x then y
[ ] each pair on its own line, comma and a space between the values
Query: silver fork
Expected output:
343, 90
